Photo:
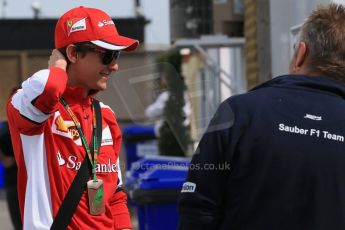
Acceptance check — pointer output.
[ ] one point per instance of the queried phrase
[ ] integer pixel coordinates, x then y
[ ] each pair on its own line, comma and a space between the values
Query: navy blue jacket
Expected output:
273, 158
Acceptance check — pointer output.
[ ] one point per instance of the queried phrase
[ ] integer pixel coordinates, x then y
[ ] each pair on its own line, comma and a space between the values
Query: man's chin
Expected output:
102, 86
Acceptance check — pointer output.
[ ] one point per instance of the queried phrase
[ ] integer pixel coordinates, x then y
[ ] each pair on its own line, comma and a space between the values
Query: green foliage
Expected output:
174, 137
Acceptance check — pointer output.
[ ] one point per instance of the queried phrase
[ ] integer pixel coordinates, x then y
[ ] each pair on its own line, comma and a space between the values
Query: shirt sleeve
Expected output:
155, 110
118, 202
202, 199
38, 99
119, 205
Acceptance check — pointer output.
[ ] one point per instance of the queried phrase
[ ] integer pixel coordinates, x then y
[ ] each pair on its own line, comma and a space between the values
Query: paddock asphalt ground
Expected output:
5, 221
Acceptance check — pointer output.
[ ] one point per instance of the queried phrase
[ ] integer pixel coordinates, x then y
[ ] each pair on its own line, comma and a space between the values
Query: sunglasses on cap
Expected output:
107, 55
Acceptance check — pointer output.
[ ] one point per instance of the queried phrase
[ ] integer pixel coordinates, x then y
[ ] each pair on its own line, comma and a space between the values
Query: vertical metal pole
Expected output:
4, 6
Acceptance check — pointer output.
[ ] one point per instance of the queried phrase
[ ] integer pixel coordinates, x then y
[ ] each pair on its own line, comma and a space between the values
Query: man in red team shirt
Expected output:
44, 116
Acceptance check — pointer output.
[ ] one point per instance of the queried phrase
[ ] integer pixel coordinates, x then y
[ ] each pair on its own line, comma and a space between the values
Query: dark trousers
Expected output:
13, 206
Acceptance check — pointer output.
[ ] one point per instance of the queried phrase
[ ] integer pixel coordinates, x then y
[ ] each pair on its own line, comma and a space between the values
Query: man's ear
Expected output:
71, 53
301, 55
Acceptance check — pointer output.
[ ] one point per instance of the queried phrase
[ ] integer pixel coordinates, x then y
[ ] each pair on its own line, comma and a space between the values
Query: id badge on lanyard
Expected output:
95, 186
96, 198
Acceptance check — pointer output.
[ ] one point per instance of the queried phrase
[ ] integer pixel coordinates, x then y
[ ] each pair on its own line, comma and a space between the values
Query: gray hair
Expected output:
324, 34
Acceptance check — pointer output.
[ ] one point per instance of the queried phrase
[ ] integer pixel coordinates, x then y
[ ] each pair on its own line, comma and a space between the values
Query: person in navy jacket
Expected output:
274, 158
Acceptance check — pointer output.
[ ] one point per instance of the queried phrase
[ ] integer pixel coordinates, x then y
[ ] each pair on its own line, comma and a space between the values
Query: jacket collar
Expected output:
320, 83
74, 95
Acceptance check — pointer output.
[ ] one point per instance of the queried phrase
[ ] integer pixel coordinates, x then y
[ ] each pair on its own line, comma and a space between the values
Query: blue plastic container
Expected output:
149, 162
139, 141
2, 176
154, 184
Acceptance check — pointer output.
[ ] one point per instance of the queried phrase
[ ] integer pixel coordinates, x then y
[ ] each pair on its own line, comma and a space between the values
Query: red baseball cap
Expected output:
83, 24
